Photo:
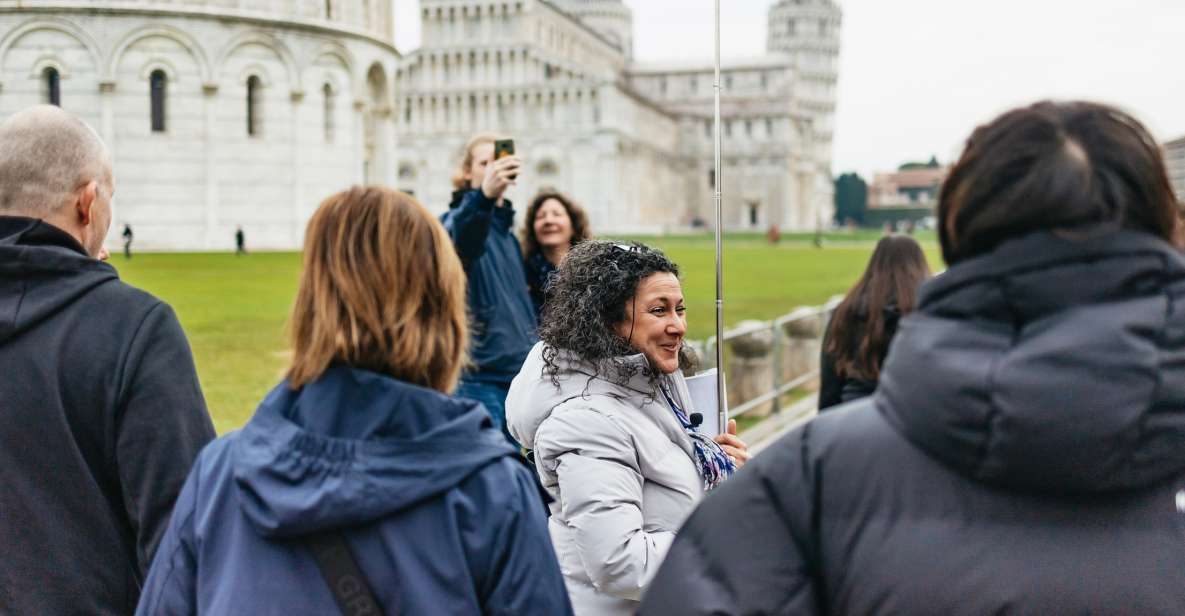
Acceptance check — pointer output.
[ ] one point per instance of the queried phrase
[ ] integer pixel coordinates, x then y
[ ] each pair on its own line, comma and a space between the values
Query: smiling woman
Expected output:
604, 406
554, 224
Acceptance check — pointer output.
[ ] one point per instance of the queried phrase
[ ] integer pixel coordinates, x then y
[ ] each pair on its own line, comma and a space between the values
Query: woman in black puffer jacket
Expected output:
1025, 450
858, 336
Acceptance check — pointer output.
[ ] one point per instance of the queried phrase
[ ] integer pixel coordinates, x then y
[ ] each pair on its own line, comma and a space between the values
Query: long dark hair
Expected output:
1073, 166
859, 334
580, 228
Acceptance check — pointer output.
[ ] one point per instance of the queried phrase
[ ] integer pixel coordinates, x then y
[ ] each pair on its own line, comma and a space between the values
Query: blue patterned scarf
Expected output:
714, 465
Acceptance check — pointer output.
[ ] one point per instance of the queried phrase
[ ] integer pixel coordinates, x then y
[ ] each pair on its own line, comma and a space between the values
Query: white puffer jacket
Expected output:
621, 470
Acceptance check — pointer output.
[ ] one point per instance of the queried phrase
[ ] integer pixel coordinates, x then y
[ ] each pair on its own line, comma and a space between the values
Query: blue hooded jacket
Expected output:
439, 514
500, 305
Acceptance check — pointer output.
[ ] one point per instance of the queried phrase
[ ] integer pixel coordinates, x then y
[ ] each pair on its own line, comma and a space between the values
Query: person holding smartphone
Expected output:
480, 222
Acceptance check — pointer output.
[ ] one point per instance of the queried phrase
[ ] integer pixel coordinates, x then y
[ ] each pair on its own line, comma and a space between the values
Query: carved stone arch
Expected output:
349, 64
338, 51
158, 63
275, 45
58, 25
254, 69
49, 60
178, 36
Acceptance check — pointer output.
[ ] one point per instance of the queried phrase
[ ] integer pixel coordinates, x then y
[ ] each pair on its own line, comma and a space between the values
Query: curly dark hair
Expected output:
588, 298
580, 226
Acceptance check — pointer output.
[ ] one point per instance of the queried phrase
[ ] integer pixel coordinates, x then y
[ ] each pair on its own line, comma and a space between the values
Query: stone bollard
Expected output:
750, 367
701, 360
803, 344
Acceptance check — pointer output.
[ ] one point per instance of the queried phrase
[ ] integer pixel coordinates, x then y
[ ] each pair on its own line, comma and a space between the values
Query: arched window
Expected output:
157, 89
327, 93
53, 86
254, 88
547, 168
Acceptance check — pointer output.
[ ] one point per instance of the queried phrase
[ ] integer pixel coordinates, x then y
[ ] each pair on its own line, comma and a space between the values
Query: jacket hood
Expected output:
355, 446
533, 395
1049, 364
42, 270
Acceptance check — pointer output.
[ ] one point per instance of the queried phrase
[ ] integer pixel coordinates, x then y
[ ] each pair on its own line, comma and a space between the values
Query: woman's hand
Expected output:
733, 446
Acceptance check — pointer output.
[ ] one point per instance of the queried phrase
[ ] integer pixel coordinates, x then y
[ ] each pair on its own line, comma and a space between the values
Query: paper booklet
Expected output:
702, 388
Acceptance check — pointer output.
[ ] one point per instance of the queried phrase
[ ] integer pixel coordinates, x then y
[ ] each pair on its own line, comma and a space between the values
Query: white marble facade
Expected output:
265, 107
322, 94
631, 141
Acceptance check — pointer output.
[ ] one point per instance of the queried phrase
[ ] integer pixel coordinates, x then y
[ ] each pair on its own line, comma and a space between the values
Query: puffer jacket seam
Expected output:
993, 410
1161, 341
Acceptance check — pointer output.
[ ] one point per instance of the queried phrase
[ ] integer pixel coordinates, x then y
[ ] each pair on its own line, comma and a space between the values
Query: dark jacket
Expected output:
539, 271
1024, 454
101, 416
503, 318
835, 388
440, 515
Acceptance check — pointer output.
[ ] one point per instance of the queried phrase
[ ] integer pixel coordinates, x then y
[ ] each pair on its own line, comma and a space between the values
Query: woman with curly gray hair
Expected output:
603, 404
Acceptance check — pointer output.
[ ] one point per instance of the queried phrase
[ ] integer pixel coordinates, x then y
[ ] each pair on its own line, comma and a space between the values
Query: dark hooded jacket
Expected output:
1024, 454
539, 272
503, 317
439, 513
101, 417
836, 388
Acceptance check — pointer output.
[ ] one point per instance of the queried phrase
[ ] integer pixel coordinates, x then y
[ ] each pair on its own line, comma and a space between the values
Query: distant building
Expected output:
631, 141
222, 113
913, 185
1174, 159
218, 113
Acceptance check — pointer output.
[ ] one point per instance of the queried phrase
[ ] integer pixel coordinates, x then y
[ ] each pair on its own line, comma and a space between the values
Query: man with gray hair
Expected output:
101, 414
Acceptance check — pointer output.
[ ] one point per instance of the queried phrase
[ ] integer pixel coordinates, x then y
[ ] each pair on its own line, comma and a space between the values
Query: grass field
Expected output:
234, 309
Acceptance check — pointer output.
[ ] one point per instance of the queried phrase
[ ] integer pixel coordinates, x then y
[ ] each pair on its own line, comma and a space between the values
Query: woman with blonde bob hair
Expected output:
361, 452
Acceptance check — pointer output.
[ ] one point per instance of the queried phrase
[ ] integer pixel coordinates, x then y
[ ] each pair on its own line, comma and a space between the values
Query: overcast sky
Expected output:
917, 75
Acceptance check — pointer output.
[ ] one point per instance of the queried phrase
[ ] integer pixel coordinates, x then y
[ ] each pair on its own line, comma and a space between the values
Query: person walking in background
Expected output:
102, 411
127, 241
858, 336
603, 404
1023, 452
480, 222
240, 241
361, 449
554, 225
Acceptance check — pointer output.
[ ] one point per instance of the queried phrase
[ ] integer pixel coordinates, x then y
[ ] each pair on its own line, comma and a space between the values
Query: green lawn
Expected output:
234, 309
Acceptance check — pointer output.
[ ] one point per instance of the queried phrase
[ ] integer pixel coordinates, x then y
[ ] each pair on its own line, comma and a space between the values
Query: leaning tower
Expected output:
611, 18
808, 30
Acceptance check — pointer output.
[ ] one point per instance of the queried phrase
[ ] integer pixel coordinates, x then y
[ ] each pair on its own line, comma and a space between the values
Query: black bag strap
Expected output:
350, 589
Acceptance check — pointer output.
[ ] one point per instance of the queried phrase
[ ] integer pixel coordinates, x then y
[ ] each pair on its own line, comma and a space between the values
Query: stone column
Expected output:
804, 339
297, 98
210, 122
750, 367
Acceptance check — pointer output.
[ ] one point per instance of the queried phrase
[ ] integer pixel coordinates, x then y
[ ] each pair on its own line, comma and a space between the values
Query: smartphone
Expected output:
503, 148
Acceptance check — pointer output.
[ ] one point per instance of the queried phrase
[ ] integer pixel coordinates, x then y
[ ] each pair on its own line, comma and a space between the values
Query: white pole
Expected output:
721, 403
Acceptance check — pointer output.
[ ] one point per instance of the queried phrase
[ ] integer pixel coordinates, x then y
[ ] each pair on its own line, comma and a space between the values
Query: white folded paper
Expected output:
702, 388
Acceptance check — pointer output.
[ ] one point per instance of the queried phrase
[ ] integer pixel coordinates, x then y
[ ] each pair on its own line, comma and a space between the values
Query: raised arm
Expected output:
469, 224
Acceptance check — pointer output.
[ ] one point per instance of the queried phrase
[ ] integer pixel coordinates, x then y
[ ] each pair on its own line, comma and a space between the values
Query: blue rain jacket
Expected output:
500, 305
440, 515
